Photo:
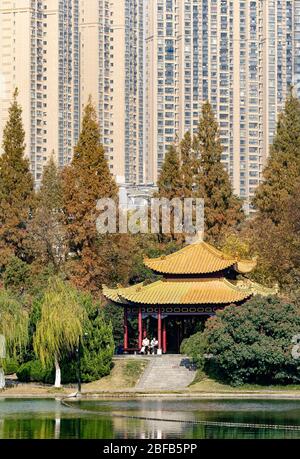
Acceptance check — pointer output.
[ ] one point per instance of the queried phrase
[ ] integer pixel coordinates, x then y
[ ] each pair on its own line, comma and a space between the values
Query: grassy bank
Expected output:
203, 383
124, 375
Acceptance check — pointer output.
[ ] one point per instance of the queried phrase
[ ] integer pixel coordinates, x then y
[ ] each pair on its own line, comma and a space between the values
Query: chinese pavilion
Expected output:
196, 282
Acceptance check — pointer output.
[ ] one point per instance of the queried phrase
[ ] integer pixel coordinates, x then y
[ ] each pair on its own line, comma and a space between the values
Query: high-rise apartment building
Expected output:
112, 72
241, 55
39, 54
173, 76
296, 44
149, 65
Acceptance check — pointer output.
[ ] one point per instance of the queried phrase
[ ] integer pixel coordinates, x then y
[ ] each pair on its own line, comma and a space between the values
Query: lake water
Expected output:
47, 419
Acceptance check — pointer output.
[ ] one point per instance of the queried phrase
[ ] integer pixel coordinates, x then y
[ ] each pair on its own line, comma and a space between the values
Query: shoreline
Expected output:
258, 395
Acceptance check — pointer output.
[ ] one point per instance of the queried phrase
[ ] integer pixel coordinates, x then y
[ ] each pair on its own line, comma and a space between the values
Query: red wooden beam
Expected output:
125, 329
165, 335
159, 329
140, 323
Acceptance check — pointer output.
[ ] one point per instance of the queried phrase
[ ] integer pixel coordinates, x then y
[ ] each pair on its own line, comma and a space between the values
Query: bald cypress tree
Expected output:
283, 167
16, 188
170, 178
95, 259
86, 180
170, 186
188, 164
223, 210
47, 230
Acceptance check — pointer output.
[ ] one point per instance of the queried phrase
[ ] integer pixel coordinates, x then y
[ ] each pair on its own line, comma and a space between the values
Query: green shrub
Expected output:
97, 348
252, 343
33, 371
10, 366
195, 347
17, 275
115, 314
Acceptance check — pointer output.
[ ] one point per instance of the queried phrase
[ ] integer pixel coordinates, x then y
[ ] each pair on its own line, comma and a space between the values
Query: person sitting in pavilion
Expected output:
145, 346
154, 346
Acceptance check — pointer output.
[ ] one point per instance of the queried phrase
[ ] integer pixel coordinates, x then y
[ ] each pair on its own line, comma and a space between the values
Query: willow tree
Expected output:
13, 329
60, 327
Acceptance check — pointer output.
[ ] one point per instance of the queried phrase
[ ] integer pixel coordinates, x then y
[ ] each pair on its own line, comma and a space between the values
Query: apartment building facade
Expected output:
112, 72
149, 65
39, 55
242, 56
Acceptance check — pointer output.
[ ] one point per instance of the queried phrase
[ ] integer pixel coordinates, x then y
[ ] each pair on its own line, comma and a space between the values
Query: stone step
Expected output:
166, 373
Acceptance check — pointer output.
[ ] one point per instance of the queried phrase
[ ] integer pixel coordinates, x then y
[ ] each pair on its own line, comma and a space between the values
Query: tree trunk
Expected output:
2, 378
57, 374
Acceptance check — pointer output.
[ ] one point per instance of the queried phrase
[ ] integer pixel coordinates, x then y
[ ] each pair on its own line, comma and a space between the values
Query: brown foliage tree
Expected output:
278, 244
95, 259
223, 210
47, 230
16, 188
283, 168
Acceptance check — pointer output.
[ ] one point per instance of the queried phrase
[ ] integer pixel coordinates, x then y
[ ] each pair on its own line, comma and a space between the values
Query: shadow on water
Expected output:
110, 419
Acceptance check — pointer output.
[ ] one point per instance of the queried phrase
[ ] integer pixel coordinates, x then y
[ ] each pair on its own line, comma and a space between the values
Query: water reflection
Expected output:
41, 419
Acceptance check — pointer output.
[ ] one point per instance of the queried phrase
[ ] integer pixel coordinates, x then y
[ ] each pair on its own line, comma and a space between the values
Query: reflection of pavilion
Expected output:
197, 281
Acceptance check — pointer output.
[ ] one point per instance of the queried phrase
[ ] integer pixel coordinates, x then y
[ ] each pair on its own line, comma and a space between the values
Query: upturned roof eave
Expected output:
217, 260
137, 295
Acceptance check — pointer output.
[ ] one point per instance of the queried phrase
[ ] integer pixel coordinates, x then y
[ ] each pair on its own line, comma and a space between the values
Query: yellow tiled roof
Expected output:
210, 291
257, 289
199, 258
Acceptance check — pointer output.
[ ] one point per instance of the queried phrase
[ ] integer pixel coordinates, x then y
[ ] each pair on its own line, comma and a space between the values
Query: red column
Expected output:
125, 329
140, 321
159, 329
165, 335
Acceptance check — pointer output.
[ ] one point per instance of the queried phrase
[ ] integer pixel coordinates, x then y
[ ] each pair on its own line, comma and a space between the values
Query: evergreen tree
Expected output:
16, 188
98, 350
283, 168
17, 275
251, 344
97, 347
47, 230
115, 315
223, 210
